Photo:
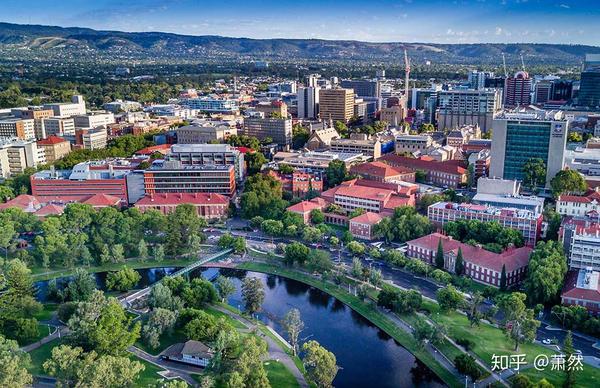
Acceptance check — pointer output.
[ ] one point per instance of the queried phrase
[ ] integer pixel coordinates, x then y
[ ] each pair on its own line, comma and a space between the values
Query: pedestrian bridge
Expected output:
129, 299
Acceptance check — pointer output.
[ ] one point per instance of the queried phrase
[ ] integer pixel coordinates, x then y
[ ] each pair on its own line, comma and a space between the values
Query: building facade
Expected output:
466, 107
279, 130
209, 154
173, 177
336, 104
209, 206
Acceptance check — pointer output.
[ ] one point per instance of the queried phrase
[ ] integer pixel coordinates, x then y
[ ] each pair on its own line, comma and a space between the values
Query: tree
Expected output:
118, 253
521, 325
311, 234
161, 297
546, 272
375, 277
439, 255
356, 248
225, 287
158, 252
449, 298
262, 196
534, 173
567, 181
422, 332
466, 365
272, 227
13, 365
319, 261
473, 312
296, 253
320, 364
255, 161
317, 216
336, 172
357, 268
159, 321
122, 280
142, 250
198, 293
293, 325
253, 294
459, 264
300, 136
7, 234
569, 352
81, 287
521, 381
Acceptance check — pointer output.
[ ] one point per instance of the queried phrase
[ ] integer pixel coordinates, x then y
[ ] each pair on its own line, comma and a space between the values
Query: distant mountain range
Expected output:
36, 37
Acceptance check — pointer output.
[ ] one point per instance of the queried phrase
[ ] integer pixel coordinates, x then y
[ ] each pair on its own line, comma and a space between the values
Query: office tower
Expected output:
337, 104
68, 109
418, 96
363, 88
477, 79
308, 102
494, 83
589, 89
464, 107
562, 90
278, 130
519, 137
209, 154
312, 80
543, 92
517, 90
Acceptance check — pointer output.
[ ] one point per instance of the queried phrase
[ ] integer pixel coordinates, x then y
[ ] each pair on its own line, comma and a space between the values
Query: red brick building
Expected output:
449, 173
299, 183
362, 226
381, 172
305, 207
479, 264
208, 205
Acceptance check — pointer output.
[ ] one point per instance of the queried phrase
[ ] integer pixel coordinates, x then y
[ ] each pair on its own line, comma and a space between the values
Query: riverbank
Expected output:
367, 310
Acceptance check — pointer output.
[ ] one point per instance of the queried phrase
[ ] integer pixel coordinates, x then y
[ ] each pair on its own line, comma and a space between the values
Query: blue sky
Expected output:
450, 21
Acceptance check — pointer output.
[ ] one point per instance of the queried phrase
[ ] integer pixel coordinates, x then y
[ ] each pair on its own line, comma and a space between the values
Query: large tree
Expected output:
320, 364
568, 181
263, 196
439, 255
225, 287
521, 326
534, 173
336, 172
546, 272
293, 325
449, 298
123, 279
253, 293
13, 365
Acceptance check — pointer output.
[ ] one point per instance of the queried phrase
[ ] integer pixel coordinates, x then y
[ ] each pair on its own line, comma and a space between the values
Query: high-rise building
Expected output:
211, 154
17, 127
308, 102
519, 137
16, 155
363, 87
589, 89
336, 104
75, 107
543, 92
59, 126
517, 90
477, 79
562, 90
465, 107
279, 130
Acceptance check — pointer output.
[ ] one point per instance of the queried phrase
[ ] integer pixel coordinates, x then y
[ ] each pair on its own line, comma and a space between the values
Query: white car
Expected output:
546, 342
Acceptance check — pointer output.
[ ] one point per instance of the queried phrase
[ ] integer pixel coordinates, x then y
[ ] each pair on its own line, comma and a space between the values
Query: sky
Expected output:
429, 21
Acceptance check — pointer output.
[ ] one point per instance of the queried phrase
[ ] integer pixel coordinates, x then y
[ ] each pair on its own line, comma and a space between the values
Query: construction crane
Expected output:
406, 76
522, 62
504, 63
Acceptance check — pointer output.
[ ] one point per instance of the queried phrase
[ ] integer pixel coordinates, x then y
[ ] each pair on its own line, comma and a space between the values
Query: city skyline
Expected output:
431, 21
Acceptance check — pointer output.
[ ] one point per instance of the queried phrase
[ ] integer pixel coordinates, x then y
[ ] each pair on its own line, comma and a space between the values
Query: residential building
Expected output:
209, 206
209, 154
54, 148
449, 173
279, 130
517, 90
23, 129
521, 136
308, 102
174, 177
203, 133
320, 139
525, 221
413, 144
589, 87
372, 196
580, 237
477, 79
481, 265
210, 104
579, 205
358, 143
381, 172
16, 155
336, 104
84, 181
465, 107
59, 126
75, 107
362, 226
582, 288
94, 120
91, 139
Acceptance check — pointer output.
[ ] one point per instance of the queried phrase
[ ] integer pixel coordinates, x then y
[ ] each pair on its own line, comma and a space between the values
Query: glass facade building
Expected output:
524, 141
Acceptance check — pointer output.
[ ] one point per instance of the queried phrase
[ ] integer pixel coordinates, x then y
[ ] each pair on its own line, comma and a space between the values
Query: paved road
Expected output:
182, 371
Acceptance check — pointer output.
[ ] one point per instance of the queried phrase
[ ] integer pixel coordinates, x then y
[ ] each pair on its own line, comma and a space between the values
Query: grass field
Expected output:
150, 374
279, 376
588, 377
41, 354
47, 311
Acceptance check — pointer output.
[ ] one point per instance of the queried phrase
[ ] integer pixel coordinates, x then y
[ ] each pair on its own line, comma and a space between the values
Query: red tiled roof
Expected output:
182, 198
379, 169
102, 200
570, 289
49, 210
23, 201
587, 198
304, 207
512, 258
368, 218
51, 140
162, 148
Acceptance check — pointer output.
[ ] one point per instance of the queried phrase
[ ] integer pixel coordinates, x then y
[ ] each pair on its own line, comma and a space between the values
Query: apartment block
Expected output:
336, 104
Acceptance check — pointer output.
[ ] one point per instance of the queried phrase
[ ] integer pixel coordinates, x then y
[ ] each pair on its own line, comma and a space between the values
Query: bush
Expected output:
465, 343
417, 267
395, 258
66, 310
441, 276
466, 365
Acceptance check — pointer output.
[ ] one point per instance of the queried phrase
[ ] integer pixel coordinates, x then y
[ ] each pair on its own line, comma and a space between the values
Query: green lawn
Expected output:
166, 340
149, 375
219, 314
588, 377
280, 376
41, 354
46, 313
42, 332
369, 311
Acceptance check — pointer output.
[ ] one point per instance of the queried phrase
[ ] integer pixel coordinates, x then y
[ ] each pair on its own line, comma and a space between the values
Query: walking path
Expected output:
274, 348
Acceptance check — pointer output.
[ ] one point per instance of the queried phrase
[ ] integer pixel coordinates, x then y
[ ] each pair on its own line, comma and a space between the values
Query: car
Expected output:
547, 341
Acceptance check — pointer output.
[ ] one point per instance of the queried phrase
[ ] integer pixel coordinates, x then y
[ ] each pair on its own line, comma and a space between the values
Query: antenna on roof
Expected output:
406, 77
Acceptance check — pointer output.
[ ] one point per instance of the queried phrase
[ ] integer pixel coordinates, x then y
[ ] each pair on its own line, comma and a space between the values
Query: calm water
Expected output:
368, 356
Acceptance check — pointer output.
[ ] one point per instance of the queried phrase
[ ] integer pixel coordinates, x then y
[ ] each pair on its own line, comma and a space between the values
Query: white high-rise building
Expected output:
66, 109
308, 102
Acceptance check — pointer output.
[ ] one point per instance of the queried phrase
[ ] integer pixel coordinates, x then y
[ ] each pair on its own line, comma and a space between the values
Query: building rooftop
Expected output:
51, 140
191, 148
368, 218
181, 198
582, 284
380, 169
491, 210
